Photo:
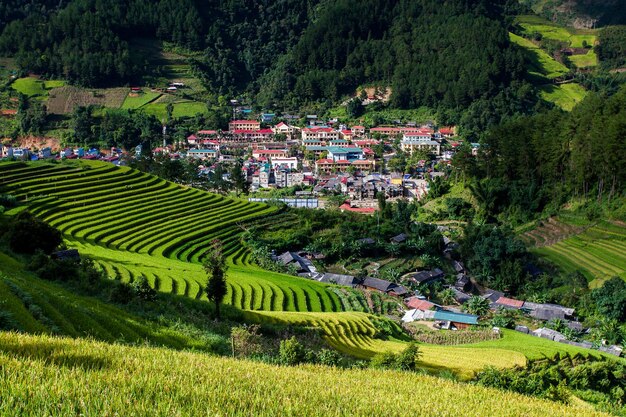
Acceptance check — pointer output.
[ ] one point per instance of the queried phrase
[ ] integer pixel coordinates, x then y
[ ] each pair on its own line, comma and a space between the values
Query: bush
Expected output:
246, 340
407, 359
27, 234
328, 357
121, 293
384, 360
8, 201
291, 352
142, 289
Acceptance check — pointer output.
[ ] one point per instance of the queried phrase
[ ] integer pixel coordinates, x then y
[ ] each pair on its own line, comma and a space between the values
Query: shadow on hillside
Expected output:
54, 353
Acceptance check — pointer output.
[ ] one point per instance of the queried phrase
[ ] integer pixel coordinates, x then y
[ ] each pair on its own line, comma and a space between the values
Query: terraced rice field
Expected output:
136, 224
354, 334
597, 250
543, 64
43, 376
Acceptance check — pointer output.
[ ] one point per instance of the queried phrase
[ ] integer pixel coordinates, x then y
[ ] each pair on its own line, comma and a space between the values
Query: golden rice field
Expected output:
46, 376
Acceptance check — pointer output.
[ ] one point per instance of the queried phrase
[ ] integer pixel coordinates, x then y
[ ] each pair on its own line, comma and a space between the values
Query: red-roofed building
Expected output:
419, 304
448, 132
385, 131
509, 303
243, 136
244, 125
192, 139
285, 129
206, 132
358, 131
270, 153
365, 142
8, 113
320, 133
345, 134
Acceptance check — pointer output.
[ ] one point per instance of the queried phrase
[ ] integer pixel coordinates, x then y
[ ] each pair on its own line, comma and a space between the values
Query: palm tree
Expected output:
477, 305
447, 296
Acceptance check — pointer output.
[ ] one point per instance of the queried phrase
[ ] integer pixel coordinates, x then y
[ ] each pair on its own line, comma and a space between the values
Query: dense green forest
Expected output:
89, 42
537, 162
289, 51
612, 48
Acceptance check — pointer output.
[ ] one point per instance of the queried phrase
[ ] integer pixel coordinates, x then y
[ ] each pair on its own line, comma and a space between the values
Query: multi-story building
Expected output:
243, 125
321, 133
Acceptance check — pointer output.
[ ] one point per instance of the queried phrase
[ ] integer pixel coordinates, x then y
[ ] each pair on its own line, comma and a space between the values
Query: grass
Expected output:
38, 306
565, 96
181, 109
34, 87
140, 101
542, 64
588, 60
42, 375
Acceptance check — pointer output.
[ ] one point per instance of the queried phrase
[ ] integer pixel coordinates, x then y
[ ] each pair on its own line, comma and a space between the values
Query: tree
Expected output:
355, 108
477, 305
447, 296
215, 267
27, 234
239, 179
611, 299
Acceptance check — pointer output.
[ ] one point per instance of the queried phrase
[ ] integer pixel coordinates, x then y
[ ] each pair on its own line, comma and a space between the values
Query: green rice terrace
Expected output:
45, 375
133, 224
596, 249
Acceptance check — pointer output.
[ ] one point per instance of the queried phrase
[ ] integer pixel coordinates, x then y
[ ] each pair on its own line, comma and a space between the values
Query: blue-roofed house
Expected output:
267, 117
452, 320
337, 153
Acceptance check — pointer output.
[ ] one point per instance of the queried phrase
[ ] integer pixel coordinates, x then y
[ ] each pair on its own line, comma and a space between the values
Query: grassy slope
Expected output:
565, 96
46, 376
38, 306
542, 63
34, 87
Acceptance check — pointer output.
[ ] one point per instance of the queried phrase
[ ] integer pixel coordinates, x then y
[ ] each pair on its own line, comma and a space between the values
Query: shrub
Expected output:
8, 201
246, 340
121, 293
7, 322
27, 234
329, 357
385, 360
142, 289
291, 352
407, 359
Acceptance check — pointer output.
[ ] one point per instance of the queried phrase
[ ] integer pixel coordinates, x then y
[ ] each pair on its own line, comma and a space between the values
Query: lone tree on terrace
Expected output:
215, 266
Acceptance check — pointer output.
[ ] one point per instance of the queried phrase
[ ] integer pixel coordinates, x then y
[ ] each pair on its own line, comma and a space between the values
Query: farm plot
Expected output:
35, 87
63, 100
542, 64
598, 251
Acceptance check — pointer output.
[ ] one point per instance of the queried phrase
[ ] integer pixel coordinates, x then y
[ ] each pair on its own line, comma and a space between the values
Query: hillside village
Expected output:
324, 155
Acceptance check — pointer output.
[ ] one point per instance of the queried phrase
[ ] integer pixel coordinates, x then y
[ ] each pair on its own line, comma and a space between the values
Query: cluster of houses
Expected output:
316, 150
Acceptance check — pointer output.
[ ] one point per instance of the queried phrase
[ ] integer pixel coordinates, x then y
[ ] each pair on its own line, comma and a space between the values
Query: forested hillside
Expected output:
292, 51
88, 42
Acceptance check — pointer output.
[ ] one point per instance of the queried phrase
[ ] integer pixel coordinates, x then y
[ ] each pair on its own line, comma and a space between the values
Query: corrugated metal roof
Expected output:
456, 317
